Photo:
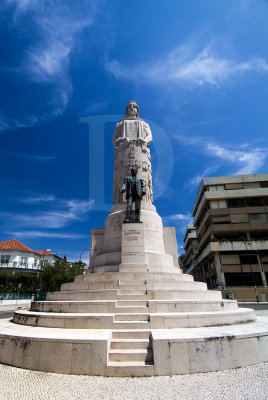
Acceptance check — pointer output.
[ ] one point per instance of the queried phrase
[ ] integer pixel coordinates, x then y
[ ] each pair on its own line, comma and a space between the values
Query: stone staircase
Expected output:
131, 305
130, 349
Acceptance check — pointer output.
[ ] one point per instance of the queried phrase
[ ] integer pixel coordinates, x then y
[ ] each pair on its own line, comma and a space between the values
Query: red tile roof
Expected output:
44, 252
14, 244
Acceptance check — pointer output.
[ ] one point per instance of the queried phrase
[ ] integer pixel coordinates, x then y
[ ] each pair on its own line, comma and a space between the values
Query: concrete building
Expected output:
227, 245
16, 257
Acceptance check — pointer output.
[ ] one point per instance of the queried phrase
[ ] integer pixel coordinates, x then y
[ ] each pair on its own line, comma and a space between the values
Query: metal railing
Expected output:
20, 266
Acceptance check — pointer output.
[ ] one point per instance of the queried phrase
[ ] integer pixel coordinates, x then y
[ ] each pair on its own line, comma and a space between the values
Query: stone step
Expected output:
132, 287
133, 268
117, 294
131, 291
131, 297
134, 276
134, 334
130, 369
132, 317
130, 344
133, 306
131, 282
129, 309
149, 285
131, 325
133, 321
130, 303
131, 355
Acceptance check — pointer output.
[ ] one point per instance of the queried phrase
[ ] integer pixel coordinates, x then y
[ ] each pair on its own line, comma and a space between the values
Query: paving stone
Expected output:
242, 383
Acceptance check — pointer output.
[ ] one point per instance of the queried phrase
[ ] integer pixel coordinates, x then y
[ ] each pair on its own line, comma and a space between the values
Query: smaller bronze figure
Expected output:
135, 189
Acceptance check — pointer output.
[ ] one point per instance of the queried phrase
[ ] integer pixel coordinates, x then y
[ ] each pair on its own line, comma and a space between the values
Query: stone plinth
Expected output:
134, 313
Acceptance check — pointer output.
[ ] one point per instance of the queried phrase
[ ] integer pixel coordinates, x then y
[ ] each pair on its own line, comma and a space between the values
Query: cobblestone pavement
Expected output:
249, 383
238, 384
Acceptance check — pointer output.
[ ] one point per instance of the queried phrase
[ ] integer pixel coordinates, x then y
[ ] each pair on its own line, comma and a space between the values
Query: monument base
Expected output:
176, 351
140, 316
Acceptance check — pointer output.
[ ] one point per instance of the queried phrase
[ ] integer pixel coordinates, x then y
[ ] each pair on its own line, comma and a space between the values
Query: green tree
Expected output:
182, 261
54, 275
9, 283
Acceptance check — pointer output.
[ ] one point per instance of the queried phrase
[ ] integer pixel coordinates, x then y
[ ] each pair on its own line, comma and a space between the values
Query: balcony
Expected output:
17, 265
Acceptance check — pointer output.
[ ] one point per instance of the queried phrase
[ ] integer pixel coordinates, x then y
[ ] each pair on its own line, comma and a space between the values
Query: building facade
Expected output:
15, 257
227, 245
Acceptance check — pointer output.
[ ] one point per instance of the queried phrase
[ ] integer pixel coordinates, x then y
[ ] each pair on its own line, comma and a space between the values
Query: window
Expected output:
233, 186
239, 218
243, 278
5, 259
235, 203
257, 217
264, 184
23, 261
249, 259
251, 185
254, 201
35, 262
221, 219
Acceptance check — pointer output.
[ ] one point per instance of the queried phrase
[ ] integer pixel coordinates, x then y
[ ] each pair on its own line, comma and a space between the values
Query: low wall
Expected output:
248, 293
188, 355
14, 303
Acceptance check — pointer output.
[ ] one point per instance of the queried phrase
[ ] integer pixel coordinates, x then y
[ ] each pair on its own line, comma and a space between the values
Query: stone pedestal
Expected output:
136, 314
133, 244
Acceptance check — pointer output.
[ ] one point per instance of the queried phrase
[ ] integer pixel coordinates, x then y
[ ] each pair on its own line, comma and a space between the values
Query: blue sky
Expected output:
197, 69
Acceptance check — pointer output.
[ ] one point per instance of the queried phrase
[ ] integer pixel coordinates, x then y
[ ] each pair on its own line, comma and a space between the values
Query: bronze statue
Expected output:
135, 189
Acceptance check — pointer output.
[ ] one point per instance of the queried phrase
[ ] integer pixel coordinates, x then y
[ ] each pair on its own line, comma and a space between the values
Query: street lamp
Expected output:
82, 253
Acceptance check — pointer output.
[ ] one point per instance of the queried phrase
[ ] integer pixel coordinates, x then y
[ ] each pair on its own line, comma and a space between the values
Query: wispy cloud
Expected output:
39, 198
45, 234
195, 181
60, 213
179, 217
187, 65
244, 159
179, 220
31, 157
12, 123
249, 159
54, 29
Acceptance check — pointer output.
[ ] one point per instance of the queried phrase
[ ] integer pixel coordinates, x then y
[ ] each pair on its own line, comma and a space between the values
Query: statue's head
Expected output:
134, 171
132, 110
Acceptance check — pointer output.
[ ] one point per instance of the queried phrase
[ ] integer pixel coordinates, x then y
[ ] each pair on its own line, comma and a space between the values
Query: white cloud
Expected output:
54, 28
185, 65
179, 217
44, 234
179, 220
246, 158
38, 199
195, 181
61, 213
12, 124
249, 159
31, 157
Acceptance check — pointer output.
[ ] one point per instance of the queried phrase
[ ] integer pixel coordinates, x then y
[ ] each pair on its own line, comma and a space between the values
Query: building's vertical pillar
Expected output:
263, 277
219, 270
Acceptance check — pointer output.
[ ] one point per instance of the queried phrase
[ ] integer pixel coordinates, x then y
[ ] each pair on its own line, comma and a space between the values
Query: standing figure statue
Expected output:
135, 189
131, 139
